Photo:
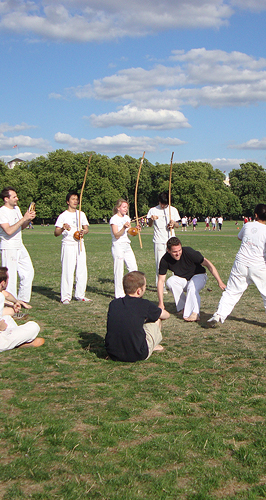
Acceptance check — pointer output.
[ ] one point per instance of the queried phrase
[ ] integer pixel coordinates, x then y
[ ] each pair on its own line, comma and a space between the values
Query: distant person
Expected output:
194, 223
14, 254
121, 245
184, 223
133, 323
249, 266
12, 335
207, 224
220, 223
189, 275
214, 222
73, 252
159, 218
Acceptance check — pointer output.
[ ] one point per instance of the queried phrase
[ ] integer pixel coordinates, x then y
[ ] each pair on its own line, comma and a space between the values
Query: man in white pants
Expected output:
159, 217
11, 335
249, 266
73, 253
14, 254
189, 276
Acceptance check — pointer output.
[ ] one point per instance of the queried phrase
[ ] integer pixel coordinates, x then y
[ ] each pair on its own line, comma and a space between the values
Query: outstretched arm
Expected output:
214, 272
160, 284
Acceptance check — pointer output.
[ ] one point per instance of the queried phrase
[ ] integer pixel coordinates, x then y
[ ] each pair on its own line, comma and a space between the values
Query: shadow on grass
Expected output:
97, 291
93, 342
204, 318
47, 292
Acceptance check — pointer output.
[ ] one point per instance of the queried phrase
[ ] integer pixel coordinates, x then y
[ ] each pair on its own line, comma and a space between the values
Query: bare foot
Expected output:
158, 347
193, 317
35, 343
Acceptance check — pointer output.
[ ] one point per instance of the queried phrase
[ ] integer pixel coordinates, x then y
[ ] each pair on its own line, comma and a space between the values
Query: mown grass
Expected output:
189, 423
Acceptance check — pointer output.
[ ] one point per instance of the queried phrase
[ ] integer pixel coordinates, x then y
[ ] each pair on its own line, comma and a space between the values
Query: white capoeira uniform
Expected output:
15, 335
122, 253
249, 267
161, 233
72, 257
15, 256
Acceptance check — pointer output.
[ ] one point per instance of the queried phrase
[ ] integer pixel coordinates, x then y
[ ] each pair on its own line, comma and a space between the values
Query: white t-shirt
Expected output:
252, 251
10, 216
161, 232
214, 221
71, 218
220, 220
119, 222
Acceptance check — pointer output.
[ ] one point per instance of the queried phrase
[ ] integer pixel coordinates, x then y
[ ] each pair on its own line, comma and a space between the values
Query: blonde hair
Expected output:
118, 204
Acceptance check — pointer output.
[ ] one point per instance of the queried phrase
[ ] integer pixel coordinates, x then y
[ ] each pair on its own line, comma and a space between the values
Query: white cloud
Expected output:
22, 141
133, 117
27, 156
224, 164
91, 20
251, 144
119, 144
199, 77
5, 127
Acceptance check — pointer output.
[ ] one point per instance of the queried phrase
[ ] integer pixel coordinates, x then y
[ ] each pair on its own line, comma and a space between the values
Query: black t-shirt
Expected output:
188, 265
125, 339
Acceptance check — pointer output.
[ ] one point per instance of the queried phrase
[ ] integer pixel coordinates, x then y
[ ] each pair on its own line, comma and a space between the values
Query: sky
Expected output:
119, 78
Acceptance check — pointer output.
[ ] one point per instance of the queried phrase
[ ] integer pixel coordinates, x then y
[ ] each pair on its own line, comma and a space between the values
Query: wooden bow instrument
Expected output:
136, 198
170, 183
80, 201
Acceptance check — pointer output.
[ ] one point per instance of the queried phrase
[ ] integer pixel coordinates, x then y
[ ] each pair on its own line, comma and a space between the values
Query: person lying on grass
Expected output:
133, 323
12, 335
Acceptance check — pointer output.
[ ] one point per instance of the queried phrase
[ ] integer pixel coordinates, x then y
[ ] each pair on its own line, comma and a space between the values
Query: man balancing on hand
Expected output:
188, 266
133, 323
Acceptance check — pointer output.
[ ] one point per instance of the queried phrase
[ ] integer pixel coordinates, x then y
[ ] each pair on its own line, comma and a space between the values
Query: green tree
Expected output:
249, 184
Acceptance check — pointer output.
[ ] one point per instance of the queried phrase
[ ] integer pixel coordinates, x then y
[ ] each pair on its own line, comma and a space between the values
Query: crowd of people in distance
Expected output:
133, 323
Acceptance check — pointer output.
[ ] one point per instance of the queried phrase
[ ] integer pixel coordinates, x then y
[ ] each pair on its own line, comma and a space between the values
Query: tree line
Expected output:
197, 188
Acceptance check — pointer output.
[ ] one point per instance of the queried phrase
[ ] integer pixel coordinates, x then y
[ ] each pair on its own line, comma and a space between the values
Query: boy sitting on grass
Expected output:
133, 323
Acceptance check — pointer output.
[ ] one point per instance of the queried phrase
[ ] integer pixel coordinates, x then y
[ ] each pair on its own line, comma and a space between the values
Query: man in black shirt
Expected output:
189, 276
133, 323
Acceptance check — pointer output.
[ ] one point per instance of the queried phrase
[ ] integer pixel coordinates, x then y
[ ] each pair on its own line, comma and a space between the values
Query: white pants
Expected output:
190, 302
18, 262
17, 335
72, 259
159, 251
239, 279
122, 254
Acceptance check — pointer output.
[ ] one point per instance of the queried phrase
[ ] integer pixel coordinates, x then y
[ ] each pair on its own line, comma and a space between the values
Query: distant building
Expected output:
14, 162
227, 180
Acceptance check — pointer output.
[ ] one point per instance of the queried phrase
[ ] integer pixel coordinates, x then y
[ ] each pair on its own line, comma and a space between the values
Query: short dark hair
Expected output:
3, 274
5, 192
71, 193
163, 198
132, 281
260, 211
173, 242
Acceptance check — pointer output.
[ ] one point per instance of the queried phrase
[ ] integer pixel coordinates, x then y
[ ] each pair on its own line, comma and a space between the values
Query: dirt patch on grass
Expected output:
231, 488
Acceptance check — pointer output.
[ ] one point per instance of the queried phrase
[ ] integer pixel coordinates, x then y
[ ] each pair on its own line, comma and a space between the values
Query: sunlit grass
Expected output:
189, 423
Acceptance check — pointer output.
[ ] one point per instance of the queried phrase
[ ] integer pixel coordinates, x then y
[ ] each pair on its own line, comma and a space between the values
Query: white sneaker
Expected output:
85, 299
65, 302
215, 319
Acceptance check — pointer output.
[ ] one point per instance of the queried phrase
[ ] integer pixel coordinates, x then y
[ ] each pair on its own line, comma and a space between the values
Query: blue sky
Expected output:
122, 78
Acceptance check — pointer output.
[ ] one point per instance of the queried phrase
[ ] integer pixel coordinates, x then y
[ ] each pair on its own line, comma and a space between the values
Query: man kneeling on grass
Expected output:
12, 335
133, 323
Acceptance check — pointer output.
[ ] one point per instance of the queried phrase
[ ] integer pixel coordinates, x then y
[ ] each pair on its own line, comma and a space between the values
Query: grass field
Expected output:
188, 424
